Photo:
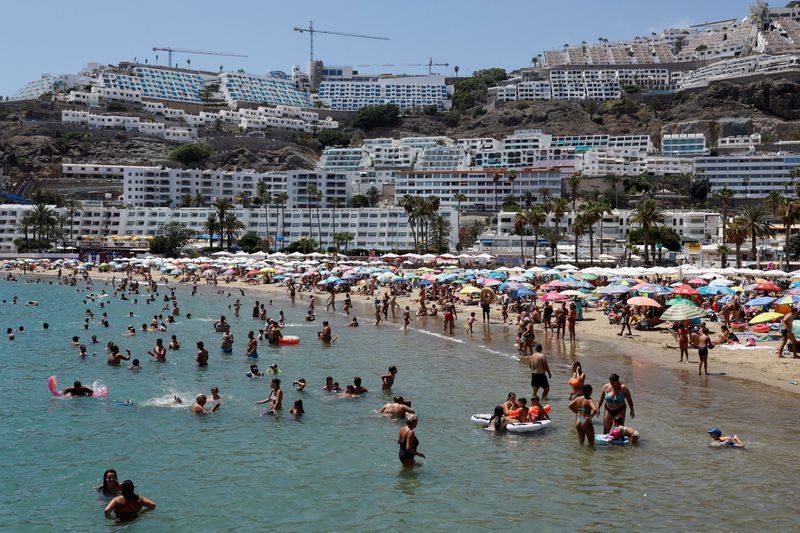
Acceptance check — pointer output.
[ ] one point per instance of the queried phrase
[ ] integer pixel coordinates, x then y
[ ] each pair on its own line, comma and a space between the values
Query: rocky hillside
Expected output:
33, 144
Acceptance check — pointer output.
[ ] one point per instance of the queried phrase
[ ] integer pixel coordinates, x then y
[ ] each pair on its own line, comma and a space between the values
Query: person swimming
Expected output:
110, 486
128, 504
254, 372
724, 441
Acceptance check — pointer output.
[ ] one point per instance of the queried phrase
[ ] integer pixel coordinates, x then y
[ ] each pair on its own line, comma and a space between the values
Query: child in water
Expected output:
720, 440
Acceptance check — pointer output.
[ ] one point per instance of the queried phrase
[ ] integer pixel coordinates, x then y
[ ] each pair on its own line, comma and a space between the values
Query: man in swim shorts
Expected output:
539, 373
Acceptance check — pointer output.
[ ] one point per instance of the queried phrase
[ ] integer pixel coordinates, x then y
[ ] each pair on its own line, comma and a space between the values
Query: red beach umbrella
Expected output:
685, 290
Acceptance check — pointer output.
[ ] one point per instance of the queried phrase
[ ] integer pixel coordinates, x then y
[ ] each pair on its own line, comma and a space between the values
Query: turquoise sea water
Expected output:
337, 467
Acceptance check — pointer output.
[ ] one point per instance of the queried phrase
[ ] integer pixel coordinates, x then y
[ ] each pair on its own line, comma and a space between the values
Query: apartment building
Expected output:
343, 159
372, 228
750, 175
685, 144
484, 190
128, 123
240, 88
415, 92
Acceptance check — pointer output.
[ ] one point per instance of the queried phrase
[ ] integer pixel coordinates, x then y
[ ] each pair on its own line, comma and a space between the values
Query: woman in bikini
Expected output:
583, 406
577, 380
615, 395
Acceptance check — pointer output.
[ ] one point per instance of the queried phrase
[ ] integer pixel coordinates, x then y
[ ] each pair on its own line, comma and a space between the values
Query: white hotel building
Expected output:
482, 188
372, 228
413, 92
691, 226
750, 175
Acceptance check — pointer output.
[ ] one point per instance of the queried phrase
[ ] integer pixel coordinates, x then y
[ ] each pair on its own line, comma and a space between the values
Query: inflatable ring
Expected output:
289, 339
487, 296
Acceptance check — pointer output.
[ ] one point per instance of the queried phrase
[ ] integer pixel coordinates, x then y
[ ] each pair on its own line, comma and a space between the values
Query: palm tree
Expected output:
373, 195
198, 200
559, 210
343, 238
280, 200
746, 183
774, 199
536, 217
314, 196
553, 237
73, 205
334, 203
211, 225
527, 198
511, 177
60, 222
43, 220
232, 226
426, 211
265, 197
592, 213
574, 184
496, 180
26, 223
520, 220
737, 233
647, 214
408, 203
459, 197
723, 250
757, 220
725, 198
510, 203
613, 181
440, 232
788, 212
223, 206
579, 226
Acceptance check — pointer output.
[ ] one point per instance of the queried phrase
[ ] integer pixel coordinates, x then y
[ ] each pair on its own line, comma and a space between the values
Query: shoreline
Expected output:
656, 348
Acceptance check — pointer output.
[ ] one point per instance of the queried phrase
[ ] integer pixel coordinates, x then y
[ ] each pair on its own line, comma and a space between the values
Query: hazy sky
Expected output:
58, 37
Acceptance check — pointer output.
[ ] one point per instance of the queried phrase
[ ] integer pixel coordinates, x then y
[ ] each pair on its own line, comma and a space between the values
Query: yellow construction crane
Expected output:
311, 31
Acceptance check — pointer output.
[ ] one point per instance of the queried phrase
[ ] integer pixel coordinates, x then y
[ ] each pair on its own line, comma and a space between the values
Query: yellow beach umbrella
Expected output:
469, 289
765, 317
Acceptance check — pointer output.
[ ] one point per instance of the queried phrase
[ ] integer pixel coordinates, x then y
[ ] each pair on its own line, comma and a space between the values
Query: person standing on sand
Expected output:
572, 316
626, 320
378, 315
330, 305
787, 334
561, 321
540, 371
449, 318
683, 340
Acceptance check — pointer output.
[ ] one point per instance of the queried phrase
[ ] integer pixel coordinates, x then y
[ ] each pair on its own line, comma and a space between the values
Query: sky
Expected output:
56, 37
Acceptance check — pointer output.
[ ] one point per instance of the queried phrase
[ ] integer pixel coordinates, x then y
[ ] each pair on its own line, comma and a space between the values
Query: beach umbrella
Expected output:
573, 292
789, 299
642, 301
765, 317
685, 290
715, 289
554, 296
756, 302
496, 275
490, 282
470, 289
614, 289
767, 287
522, 292
425, 283
682, 311
697, 281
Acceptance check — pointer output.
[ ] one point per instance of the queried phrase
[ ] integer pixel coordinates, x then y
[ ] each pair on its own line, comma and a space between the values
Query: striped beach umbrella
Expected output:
682, 311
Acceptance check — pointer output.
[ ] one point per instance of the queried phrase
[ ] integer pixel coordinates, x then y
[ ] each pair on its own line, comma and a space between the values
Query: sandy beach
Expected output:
656, 347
